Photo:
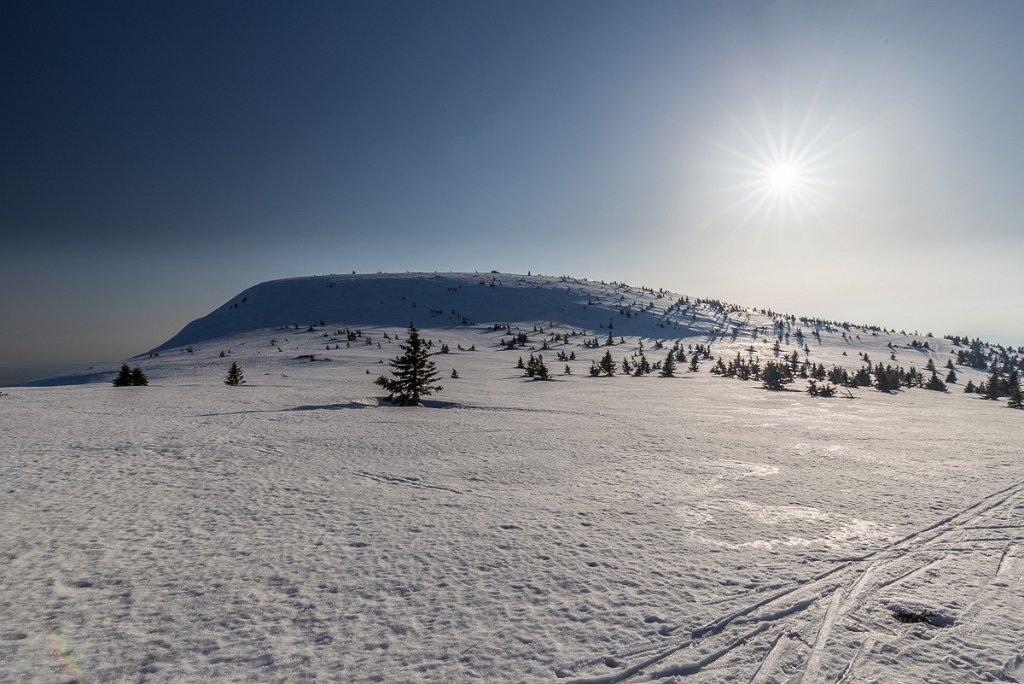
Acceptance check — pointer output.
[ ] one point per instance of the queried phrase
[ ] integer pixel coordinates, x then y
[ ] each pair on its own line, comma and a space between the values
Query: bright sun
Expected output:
781, 172
783, 177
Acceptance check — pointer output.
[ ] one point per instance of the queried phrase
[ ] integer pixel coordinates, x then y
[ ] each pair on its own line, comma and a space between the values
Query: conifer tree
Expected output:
1014, 391
541, 370
994, 387
935, 384
414, 373
139, 378
607, 364
668, 367
1016, 397
234, 377
775, 375
124, 378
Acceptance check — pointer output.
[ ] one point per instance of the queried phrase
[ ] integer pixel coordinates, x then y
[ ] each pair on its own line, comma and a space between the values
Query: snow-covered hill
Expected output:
429, 300
310, 312
588, 529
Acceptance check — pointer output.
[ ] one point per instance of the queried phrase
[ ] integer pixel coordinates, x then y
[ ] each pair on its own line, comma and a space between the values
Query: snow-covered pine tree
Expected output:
415, 374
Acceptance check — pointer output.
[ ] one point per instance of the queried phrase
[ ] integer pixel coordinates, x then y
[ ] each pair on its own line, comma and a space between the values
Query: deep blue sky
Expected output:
158, 157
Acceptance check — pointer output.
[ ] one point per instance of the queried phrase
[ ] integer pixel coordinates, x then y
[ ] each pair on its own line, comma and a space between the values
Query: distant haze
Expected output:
854, 161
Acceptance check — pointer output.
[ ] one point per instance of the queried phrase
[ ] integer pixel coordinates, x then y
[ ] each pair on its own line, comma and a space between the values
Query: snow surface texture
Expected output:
586, 529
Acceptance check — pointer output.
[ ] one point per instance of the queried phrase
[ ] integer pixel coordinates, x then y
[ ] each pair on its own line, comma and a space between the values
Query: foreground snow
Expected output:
593, 529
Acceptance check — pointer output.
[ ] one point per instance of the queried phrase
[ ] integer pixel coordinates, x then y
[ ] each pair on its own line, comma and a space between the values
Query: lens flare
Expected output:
65, 654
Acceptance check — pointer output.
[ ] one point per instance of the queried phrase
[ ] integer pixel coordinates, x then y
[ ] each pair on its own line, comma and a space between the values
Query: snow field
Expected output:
588, 529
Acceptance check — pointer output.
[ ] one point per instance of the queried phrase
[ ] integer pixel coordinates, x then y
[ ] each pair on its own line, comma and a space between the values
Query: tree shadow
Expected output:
368, 403
329, 407
375, 402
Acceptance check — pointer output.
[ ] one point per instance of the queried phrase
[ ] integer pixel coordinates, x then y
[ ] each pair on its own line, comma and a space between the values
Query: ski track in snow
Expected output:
586, 529
891, 556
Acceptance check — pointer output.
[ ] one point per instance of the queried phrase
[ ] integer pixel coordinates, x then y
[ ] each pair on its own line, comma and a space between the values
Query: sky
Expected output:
855, 161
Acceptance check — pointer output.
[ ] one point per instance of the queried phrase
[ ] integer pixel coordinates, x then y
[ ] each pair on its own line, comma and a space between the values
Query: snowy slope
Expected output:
475, 301
426, 299
587, 529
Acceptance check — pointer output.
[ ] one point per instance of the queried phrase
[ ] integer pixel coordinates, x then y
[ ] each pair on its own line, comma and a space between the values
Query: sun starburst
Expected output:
778, 172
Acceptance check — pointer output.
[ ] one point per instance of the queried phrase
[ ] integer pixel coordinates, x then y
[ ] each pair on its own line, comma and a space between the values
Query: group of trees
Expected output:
998, 387
535, 368
130, 377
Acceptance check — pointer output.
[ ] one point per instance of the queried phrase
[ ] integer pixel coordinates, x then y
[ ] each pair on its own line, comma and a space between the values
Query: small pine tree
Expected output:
1016, 398
139, 378
668, 367
951, 376
694, 363
994, 388
935, 384
234, 377
541, 370
607, 364
455, 374
776, 375
567, 371
1014, 391
124, 378
415, 374
969, 388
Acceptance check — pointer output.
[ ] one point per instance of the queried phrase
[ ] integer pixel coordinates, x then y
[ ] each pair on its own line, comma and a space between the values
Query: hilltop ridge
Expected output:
584, 313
